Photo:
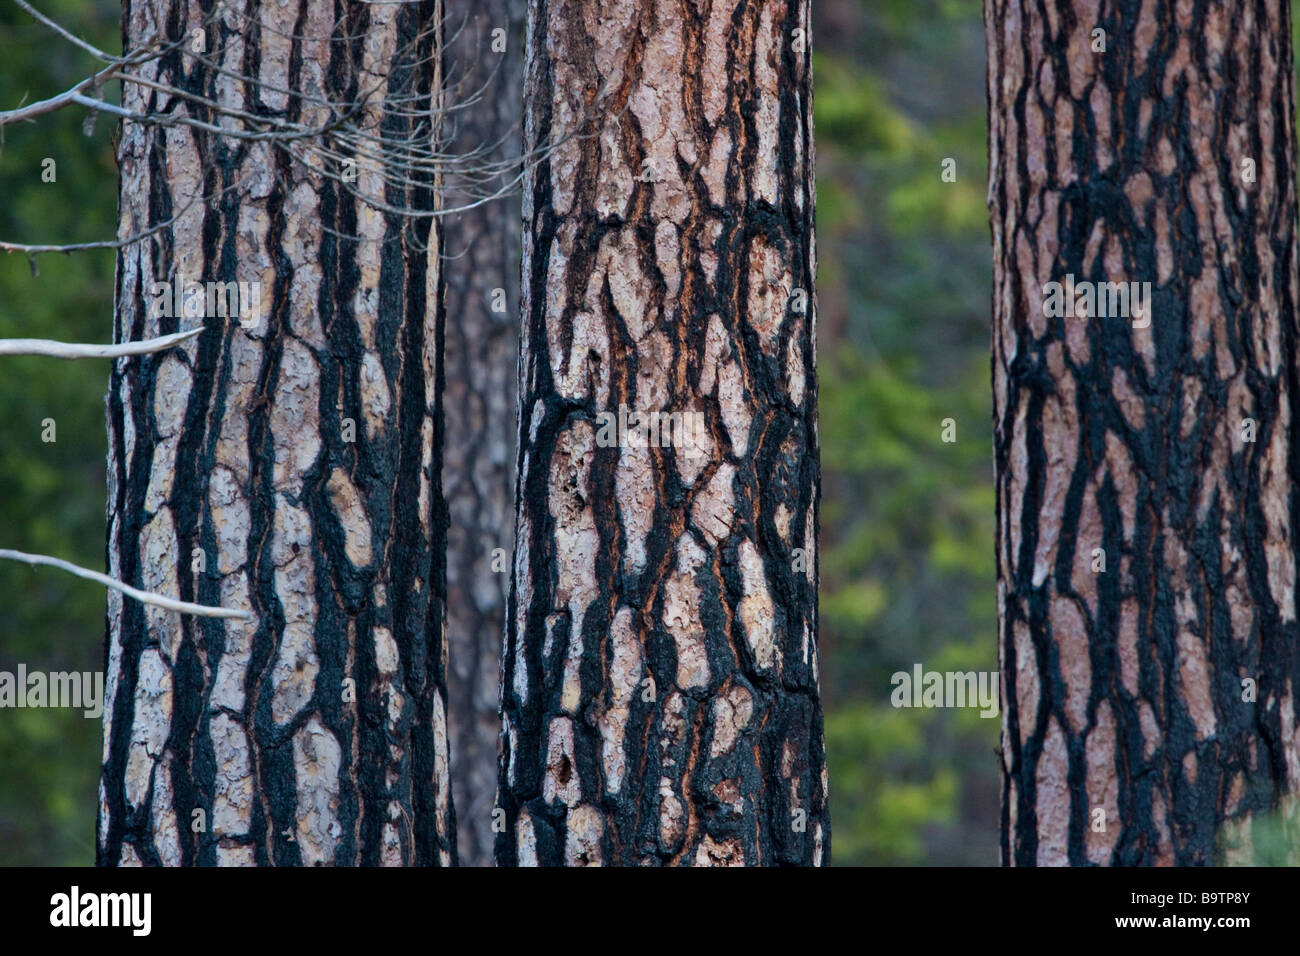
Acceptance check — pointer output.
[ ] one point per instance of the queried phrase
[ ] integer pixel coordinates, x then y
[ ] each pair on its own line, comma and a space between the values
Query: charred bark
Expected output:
660, 689
284, 462
1146, 464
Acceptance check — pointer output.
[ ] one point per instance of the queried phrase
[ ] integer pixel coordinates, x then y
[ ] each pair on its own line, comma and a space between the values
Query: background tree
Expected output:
660, 674
285, 462
1147, 503
484, 66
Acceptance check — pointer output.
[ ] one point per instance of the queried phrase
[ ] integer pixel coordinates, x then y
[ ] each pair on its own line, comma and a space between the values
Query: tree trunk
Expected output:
660, 688
481, 296
1145, 465
284, 463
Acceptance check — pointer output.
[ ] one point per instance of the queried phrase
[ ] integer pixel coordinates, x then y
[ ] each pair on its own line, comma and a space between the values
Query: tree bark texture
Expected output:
1147, 505
289, 468
481, 299
660, 690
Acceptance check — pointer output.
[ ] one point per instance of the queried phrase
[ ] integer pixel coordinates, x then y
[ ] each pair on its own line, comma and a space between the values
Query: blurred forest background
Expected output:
907, 520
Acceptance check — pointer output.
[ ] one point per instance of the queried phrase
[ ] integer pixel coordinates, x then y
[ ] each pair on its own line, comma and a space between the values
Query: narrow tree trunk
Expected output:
481, 299
660, 675
286, 465
1146, 475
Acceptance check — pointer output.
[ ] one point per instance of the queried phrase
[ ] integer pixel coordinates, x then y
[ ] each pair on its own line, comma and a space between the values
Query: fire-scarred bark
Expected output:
286, 465
1146, 467
660, 688
481, 299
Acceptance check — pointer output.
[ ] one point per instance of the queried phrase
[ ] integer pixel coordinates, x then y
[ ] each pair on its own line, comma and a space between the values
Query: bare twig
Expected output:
144, 597
66, 98
385, 133
33, 250
71, 350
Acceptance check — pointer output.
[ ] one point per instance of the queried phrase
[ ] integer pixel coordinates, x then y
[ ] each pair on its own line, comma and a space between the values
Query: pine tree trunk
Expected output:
287, 465
660, 690
1145, 464
481, 299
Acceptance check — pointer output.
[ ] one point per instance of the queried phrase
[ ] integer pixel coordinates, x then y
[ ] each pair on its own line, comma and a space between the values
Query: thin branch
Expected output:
144, 597
70, 37
71, 350
135, 57
32, 110
32, 251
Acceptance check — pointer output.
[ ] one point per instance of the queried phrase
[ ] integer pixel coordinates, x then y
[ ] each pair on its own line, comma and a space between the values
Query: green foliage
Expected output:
886, 789
1266, 839
52, 494
907, 566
